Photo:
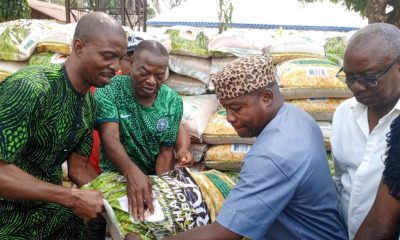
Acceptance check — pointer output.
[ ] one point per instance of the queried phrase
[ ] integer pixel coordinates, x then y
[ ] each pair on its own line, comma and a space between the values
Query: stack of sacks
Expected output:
189, 65
196, 112
18, 41
291, 46
228, 149
308, 80
231, 44
189, 61
55, 45
198, 150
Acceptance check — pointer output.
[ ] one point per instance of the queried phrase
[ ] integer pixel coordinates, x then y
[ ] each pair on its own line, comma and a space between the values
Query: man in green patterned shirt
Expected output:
46, 117
138, 118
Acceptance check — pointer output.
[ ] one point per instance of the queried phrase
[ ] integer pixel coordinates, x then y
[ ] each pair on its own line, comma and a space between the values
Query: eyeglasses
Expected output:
370, 80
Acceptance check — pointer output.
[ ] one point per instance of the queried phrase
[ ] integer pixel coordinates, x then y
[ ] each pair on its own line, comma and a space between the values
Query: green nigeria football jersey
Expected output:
143, 130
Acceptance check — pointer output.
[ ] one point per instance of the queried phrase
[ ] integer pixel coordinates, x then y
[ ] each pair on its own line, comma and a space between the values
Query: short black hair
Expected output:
151, 46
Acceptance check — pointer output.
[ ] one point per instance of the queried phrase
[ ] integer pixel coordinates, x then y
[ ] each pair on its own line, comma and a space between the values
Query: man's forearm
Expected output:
13, 185
165, 160
182, 140
213, 231
116, 153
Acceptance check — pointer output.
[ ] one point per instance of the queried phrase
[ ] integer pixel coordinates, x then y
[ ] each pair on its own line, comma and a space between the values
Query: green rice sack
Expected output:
179, 202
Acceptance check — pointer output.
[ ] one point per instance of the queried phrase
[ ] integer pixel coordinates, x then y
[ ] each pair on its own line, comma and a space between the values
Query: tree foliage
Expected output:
225, 9
374, 10
13, 9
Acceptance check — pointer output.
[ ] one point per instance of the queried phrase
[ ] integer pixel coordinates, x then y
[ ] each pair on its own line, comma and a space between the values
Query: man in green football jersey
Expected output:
138, 118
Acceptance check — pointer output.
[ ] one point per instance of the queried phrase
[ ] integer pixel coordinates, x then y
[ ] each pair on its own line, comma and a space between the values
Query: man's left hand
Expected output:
185, 158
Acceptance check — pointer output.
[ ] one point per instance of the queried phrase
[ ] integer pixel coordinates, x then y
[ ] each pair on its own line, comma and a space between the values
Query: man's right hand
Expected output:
139, 195
87, 204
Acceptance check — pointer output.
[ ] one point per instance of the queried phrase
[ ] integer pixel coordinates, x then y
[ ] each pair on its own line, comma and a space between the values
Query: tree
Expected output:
15, 9
374, 10
225, 9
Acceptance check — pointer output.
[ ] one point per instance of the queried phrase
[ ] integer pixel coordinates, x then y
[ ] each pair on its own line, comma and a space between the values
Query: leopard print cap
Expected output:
242, 76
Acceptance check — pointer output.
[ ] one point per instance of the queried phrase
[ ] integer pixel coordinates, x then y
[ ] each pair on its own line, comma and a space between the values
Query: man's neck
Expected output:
74, 77
147, 102
378, 112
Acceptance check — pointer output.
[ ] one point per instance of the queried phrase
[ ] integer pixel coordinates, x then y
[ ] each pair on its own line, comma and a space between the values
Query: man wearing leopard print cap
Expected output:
285, 190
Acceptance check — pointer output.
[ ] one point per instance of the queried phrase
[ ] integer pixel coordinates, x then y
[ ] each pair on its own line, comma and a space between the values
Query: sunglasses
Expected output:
369, 80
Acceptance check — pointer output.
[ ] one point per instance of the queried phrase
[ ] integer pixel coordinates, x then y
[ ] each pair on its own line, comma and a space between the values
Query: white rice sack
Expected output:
197, 68
240, 43
46, 58
292, 47
196, 112
58, 39
218, 63
19, 38
184, 85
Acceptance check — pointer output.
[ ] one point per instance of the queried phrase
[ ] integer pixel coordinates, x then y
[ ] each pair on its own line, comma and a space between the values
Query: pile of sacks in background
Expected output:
306, 64
33, 42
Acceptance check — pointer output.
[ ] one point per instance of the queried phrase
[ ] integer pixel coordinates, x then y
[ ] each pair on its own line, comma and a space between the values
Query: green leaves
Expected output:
11, 10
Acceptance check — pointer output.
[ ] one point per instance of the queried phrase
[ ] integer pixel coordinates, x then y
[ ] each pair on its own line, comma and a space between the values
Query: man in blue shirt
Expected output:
285, 190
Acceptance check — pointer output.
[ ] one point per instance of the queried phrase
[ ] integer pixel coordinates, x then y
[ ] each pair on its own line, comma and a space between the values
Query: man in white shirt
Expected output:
371, 69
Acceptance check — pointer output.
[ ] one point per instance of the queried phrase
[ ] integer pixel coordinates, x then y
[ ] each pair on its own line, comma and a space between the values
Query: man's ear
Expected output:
78, 47
267, 96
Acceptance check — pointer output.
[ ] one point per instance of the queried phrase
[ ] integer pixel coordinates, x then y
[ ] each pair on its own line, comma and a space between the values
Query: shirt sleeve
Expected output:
176, 112
262, 192
19, 100
106, 110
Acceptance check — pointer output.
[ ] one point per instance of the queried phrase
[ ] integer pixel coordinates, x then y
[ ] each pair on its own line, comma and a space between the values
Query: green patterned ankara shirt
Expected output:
143, 130
42, 120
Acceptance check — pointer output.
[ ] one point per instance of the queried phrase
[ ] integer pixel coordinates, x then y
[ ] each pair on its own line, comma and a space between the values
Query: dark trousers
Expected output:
96, 228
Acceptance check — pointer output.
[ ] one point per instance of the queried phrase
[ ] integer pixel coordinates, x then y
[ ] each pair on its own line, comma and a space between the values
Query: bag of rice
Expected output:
239, 43
46, 58
188, 42
183, 201
309, 73
184, 85
220, 131
196, 112
19, 38
197, 68
326, 128
57, 40
198, 150
218, 63
321, 109
291, 47
227, 157
9, 67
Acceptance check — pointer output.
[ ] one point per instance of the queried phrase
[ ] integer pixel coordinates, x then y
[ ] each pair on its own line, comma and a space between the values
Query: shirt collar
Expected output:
359, 108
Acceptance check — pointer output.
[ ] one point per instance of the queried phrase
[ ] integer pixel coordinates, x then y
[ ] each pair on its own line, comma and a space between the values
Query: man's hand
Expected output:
132, 236
185, 158
87, 204
139, 195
